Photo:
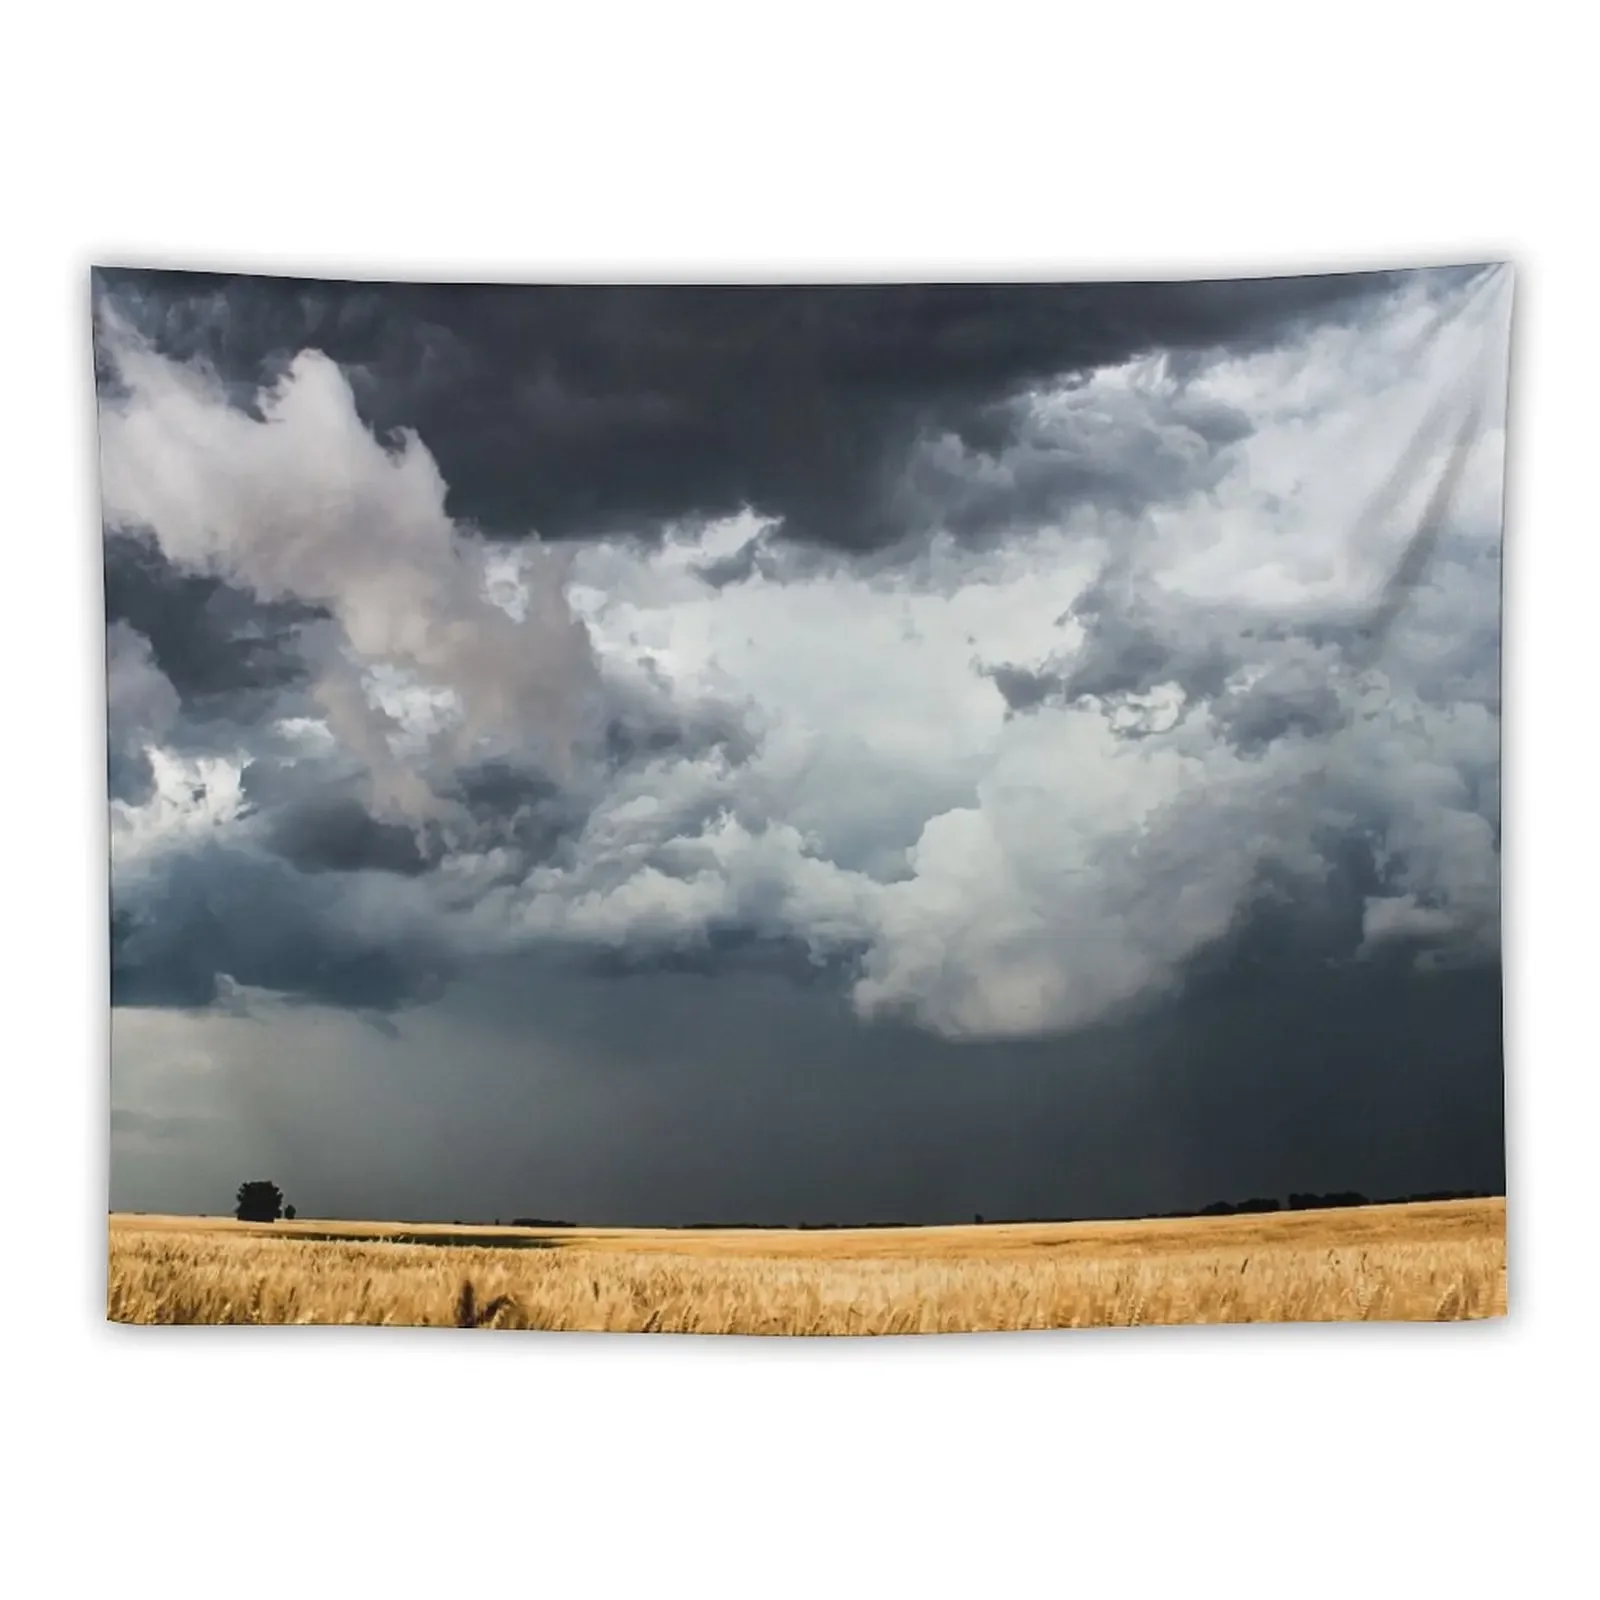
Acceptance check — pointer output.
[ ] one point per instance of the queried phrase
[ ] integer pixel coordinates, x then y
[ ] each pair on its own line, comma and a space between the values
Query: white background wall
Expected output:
779, 141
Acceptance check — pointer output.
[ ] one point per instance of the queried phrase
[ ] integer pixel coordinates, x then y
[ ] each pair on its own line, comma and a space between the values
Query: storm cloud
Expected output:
575, 411
1007, 675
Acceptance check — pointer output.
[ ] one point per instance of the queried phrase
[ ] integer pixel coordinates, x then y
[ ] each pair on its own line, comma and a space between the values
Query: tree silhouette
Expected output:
288, 1213
258, 1201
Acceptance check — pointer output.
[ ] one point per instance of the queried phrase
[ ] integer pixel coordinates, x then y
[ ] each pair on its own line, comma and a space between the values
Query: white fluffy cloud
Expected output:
302, 502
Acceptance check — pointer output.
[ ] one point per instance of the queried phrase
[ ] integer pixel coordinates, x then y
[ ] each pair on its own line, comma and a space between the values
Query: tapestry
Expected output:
810, 809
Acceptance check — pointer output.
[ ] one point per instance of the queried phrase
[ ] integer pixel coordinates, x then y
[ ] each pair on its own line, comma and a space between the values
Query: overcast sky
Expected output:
650, 755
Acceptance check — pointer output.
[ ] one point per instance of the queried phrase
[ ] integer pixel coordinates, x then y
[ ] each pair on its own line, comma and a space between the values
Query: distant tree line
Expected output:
1257, 1204
1324, 1202
1218, 1208
261, 1201
1225, 1208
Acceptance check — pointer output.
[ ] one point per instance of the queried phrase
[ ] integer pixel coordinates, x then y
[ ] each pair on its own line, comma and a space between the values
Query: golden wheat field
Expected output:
1444, 1261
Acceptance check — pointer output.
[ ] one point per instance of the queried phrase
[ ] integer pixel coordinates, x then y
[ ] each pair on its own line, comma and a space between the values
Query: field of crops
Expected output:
1444, 1261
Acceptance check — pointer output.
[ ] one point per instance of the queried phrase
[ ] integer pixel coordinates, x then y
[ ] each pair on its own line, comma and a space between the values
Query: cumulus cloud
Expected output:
1124, 438
1110, 677
302, 502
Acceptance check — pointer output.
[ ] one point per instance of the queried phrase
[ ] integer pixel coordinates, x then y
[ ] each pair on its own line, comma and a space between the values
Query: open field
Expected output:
1443, 1261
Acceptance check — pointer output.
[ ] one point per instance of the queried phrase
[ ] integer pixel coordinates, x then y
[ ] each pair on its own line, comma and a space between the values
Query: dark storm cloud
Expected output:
1029, 467
522, 813
128, 774
730, 949
669, 1097
1023, 688
531, 814
267, 914
1294, 697
578, 410
223, 650
217, 914
645, 723
340, 835
1125, 657
141, 706
742, 565
629, 987
1279, 1066
1131, 646
1302, 670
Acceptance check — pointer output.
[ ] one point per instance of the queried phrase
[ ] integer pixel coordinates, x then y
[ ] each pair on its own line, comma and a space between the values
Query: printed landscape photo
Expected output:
817, 809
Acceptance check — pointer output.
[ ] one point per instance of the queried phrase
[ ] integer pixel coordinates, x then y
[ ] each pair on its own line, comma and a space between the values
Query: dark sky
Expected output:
773, 754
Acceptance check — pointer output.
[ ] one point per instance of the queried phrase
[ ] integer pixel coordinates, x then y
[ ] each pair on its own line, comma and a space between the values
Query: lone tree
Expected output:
288, 1213
259, 1201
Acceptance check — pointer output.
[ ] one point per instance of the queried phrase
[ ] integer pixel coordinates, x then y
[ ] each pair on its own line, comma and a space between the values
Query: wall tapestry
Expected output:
804, 809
